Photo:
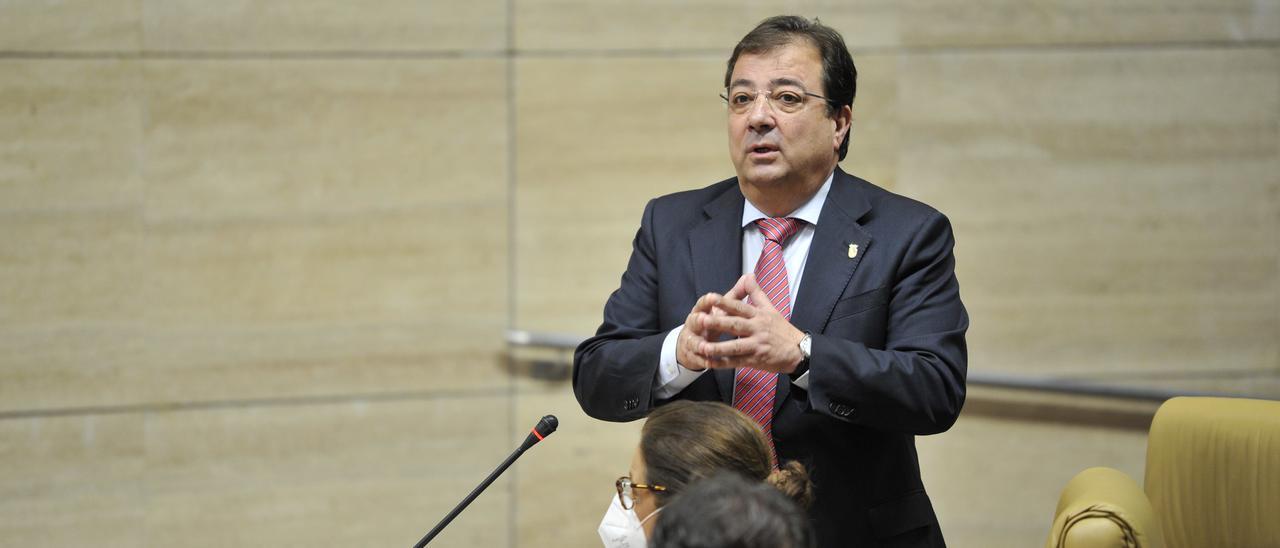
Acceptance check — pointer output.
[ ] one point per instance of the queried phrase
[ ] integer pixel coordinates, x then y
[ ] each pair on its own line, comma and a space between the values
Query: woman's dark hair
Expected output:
839, 75
728, 511
685, 441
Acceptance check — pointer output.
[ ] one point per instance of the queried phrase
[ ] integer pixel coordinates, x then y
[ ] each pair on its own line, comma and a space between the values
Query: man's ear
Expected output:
843, 120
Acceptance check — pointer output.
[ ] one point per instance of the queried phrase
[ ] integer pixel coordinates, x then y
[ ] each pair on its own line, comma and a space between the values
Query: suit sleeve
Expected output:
614, 371
916, 383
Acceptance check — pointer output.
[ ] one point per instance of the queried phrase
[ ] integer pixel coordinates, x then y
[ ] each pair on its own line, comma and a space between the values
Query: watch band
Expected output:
806, 349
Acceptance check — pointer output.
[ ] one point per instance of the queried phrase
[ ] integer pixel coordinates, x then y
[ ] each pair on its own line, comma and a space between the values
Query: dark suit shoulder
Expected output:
674, 214
696, 198
886, 204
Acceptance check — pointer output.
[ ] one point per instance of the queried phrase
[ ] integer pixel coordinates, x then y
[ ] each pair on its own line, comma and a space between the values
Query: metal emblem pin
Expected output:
853, 250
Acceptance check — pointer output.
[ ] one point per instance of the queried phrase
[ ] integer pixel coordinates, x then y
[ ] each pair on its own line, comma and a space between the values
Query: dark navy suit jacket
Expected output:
888, 358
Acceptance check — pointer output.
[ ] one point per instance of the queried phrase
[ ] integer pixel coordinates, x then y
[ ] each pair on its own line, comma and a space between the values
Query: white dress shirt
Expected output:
672, 377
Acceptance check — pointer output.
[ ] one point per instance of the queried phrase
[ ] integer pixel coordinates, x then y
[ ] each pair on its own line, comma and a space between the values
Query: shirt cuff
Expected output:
672, 377
802, 382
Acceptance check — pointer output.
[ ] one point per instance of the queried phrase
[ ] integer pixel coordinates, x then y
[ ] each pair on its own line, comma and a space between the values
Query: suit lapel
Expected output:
829, 268
716, 245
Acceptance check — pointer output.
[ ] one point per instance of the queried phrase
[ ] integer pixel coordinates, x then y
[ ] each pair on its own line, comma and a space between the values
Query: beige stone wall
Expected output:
258, 258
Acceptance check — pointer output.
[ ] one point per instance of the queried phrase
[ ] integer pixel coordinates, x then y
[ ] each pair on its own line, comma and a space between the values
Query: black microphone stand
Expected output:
544, 428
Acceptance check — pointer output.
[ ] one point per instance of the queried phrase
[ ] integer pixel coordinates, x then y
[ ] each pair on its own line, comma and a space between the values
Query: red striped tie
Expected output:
753, 390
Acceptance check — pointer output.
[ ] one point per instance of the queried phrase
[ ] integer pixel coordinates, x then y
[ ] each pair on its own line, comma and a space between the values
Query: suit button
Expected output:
841, 410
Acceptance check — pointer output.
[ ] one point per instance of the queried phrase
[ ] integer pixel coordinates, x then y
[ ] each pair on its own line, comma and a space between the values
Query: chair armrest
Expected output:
1104, 508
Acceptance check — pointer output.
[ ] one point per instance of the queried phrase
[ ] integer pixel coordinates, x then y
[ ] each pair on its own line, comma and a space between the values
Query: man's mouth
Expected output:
763, 149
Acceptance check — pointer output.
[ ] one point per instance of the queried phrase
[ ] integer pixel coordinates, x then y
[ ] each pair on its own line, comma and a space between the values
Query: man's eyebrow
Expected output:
775, 82
787, 82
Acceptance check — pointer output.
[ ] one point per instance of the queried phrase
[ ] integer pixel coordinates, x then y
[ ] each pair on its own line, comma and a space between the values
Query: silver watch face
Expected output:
806, 345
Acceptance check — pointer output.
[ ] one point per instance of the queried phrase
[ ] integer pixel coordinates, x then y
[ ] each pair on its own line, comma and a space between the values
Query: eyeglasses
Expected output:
785, 99
626, 496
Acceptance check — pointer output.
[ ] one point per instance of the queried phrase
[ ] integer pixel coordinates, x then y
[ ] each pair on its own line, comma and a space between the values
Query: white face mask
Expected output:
620, 528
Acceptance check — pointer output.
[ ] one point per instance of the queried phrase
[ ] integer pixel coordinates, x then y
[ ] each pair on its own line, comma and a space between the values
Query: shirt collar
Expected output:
807, 212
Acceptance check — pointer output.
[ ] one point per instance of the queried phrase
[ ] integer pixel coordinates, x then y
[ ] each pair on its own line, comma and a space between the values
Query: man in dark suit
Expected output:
819, 304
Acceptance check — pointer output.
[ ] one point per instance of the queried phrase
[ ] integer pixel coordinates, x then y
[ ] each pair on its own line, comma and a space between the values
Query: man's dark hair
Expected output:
839, 76
728, 511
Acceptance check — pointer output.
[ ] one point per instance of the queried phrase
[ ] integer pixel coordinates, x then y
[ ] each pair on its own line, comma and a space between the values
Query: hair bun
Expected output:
793, 481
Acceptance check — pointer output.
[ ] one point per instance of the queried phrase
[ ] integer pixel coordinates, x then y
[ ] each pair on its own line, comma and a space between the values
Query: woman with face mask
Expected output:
680, 443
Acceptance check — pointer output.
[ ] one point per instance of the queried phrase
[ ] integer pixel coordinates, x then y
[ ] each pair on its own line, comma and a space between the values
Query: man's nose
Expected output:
760, 116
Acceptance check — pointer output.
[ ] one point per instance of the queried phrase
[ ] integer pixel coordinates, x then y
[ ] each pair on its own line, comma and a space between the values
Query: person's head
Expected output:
728, 511
794, 139
685, 441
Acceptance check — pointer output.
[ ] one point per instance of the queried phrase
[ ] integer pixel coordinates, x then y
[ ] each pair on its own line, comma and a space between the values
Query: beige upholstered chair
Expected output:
1212, 480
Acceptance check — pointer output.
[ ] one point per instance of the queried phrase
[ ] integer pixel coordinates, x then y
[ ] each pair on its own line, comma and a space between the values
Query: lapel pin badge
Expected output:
853, 250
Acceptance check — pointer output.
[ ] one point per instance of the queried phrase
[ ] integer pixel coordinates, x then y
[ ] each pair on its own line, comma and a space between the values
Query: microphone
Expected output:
539, 432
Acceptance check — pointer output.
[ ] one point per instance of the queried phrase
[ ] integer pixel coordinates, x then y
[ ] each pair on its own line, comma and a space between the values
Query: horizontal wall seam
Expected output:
1139, 374
616, 52
247, 403
325, 55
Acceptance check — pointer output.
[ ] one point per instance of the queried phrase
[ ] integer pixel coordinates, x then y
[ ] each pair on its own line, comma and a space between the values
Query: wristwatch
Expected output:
806, 349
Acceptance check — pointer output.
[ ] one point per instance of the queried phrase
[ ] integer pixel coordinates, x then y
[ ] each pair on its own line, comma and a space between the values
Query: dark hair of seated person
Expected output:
729, 511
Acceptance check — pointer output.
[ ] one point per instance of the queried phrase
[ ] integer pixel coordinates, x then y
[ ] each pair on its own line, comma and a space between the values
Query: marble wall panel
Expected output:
282, 139
596, 139
245, 311
71, 212
327, 26
70, 26
718, 25
568, 479
326, 226
81, 366
364, 269
319, 308
277, 229
65, 478
70, 325
1114, 209
342, 474
70, 131
331, 474
64, 270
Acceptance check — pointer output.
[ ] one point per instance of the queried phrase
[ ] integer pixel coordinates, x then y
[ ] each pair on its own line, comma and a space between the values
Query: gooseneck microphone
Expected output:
539, 432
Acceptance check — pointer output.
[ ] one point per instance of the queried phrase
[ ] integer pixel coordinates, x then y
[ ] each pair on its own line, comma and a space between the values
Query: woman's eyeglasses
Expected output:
625, 493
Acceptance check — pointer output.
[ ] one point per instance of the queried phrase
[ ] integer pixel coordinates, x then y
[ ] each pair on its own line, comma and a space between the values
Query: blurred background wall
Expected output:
258, 258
